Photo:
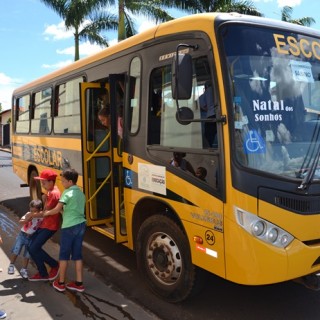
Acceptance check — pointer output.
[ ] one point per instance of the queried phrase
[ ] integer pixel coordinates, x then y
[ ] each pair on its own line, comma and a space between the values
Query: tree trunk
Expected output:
76, 45
121, 27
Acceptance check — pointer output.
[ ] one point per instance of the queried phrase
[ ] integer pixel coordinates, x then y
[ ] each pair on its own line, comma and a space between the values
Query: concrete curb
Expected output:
5, 149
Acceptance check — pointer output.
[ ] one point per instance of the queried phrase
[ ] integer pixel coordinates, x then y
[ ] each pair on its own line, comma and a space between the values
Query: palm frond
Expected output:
305, 21
286, 13
93, 38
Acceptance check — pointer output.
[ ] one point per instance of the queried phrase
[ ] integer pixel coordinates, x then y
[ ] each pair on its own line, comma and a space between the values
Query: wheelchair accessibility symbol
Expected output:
254, 143
128, 178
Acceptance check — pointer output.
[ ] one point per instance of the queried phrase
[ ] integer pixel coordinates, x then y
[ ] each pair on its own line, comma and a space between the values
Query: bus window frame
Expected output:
127, 107
17, 113
55, 104
33, 107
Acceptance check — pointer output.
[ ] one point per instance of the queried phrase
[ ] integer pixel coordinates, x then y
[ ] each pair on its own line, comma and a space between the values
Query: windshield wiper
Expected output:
314, 149
310, 174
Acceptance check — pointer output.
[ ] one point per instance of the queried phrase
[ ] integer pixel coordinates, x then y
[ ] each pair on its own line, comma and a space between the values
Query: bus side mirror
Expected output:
184, 115
181, 81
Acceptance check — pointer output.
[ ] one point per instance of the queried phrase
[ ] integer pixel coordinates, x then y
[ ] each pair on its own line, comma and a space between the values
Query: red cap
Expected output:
47, 174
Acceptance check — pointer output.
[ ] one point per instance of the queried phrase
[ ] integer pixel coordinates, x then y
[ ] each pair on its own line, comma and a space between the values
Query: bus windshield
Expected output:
275, 86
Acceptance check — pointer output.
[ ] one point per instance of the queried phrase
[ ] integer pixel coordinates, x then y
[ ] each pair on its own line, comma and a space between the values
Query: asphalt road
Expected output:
116, 267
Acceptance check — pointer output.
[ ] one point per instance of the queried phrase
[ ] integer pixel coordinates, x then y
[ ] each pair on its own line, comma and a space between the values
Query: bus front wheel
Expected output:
164, 259
34, 186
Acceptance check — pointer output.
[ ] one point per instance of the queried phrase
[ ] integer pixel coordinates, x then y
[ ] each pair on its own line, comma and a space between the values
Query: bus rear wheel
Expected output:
34, 186
164, 259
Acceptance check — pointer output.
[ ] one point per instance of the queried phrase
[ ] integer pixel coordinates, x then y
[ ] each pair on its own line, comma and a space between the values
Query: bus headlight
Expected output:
262, 229
258, 228
273, 235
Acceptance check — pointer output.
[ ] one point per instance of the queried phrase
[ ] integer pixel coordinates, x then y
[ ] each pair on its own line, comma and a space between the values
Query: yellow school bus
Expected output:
210, 160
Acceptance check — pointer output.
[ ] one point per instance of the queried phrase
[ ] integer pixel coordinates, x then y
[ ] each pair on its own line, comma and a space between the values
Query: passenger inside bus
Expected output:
102, 128
119, 104
203, 115
104, 116
155, 116
179, 162
207, 104
120, 121
201, 173
103, 99
269, 114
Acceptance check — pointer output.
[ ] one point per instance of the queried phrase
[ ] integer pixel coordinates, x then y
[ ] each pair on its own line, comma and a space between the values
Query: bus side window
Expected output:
155, 105
41, 122
22, 114
133, 114
171, 138
67, 107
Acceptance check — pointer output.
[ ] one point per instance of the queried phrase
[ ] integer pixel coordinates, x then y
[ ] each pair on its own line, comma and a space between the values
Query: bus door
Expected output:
97, 158
117, 98
102, 159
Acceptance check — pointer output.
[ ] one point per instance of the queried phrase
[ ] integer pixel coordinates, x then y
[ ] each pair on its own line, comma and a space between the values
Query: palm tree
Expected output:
286, 13
87, 18
201, 6
153, 9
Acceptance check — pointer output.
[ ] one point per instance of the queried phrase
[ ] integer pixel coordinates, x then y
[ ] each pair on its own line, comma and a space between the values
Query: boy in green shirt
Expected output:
72, 206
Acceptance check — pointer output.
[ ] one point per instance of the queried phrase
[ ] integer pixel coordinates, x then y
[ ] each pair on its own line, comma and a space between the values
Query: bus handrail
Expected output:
99, 146
102, 184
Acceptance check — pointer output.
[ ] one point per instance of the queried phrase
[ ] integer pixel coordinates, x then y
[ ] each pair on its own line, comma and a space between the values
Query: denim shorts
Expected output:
71, 242
22, 240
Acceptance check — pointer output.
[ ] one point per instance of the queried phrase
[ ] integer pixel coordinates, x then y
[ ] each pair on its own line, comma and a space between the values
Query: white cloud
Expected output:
290, 3
57, 32
86, 49
5, 97
282, 3
146, 25
67, 51
7, 85
113, 42
57, 65
5, 80
60, 32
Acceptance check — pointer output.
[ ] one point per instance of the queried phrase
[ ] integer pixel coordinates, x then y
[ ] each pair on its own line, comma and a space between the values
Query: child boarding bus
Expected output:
209, 158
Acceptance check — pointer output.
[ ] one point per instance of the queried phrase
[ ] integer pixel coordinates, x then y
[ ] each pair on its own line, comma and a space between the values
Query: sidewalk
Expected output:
5, 148
5, 159
22, 299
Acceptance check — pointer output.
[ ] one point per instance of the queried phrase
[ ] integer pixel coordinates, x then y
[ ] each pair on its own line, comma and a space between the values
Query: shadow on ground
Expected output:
16, 204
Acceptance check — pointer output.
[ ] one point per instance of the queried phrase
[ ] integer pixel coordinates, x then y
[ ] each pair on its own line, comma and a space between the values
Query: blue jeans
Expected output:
71, 242
22, 242
38, 255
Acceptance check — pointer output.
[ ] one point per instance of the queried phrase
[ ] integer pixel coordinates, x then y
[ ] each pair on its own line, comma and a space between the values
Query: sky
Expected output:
34, 42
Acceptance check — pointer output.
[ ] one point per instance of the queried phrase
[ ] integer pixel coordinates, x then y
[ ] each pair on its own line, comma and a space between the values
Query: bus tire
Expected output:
164, 259
34, 186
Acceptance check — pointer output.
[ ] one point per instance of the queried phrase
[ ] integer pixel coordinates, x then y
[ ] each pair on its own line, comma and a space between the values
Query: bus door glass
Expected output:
117, 97
97, 158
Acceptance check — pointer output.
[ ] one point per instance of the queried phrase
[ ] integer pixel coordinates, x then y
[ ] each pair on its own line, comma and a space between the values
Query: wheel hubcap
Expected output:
164, 258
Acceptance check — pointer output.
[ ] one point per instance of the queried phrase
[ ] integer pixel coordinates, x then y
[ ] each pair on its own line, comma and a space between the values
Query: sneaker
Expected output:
38, 277
53, 273
58, 286
2, 314
72, 286
10, 269
24, 273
